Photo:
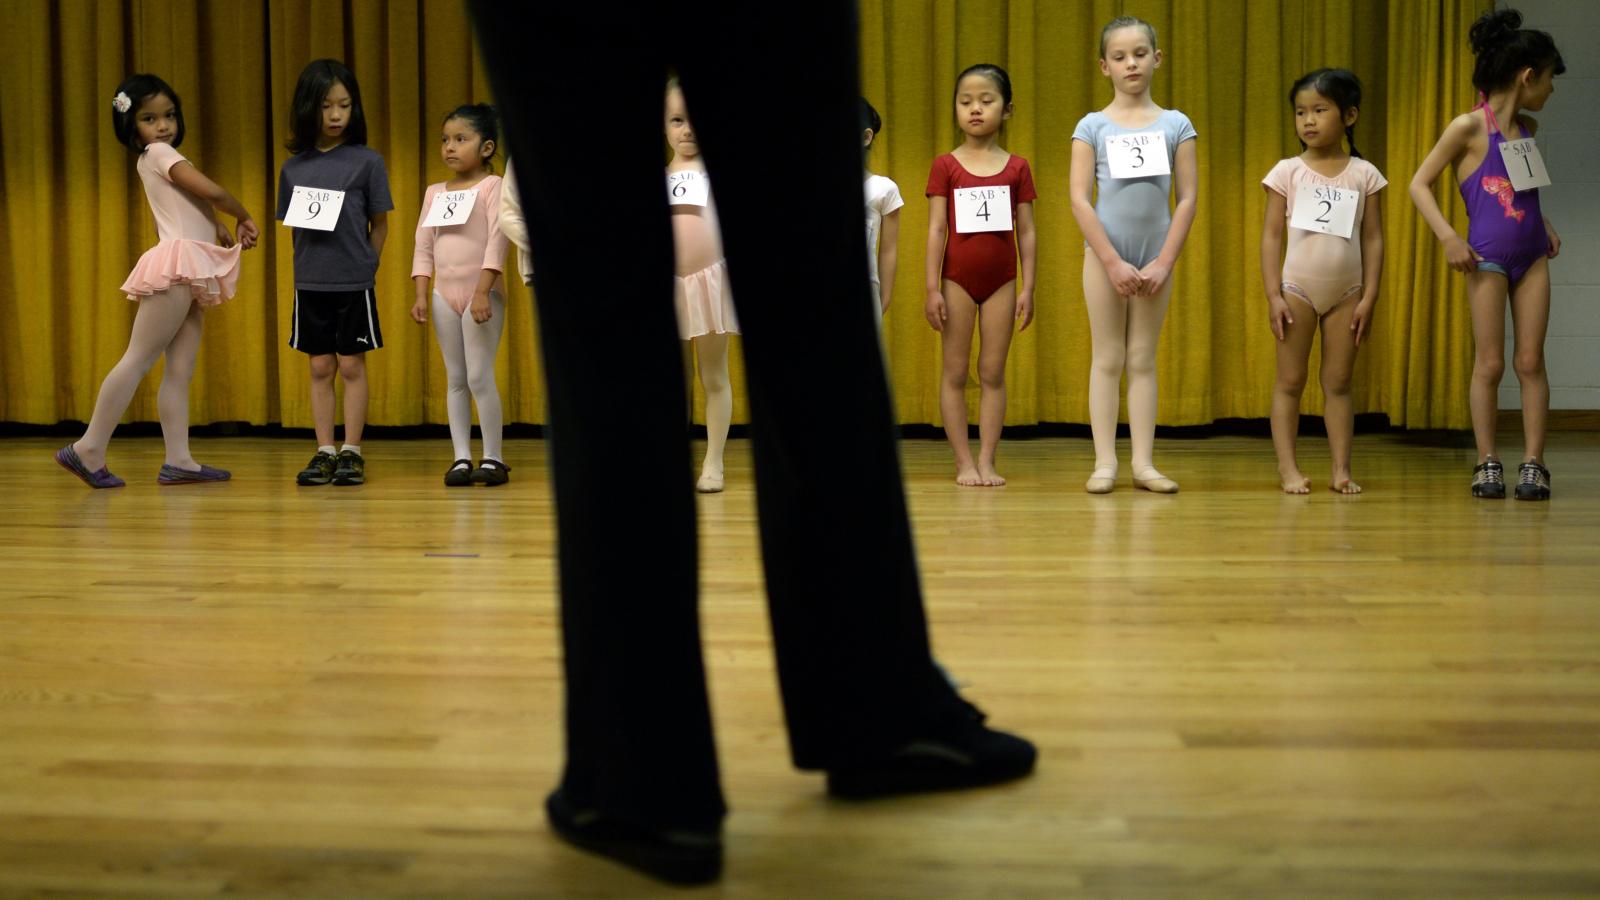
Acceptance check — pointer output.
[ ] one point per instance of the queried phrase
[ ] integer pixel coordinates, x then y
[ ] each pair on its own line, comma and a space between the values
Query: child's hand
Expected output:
1555, 240
1155, 275
249, 234
1125, 279
419, 311
1279, 316
1025, 309
934, 310
1361, 320
1460, 255
224, 237
480, 310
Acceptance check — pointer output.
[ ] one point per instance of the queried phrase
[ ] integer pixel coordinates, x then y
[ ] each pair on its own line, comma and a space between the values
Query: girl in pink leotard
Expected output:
1509, 243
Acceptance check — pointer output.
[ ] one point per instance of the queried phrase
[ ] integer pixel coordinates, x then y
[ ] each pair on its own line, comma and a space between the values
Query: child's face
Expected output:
463, 149
335, 112
1538, 88
680, 133
156, 120
1129, 60
1318, 121
980, 109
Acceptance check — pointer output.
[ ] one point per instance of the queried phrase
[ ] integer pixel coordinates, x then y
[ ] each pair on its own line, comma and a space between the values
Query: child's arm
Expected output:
933, 308
1450, 148
511, 222
377, 232
494, 258
1027, 242
422, 261
186, 176
1185, 180
1279, 315
888, 257
1125, 279
1371, 267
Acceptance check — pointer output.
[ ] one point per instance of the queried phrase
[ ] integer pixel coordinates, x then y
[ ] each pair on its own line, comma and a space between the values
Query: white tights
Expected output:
1124, 332
711, 354
166, 323
469, 350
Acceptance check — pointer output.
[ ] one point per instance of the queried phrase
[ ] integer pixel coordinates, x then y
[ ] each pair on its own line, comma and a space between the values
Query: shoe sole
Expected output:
348, 482
676, 867
311, 482
1533, 496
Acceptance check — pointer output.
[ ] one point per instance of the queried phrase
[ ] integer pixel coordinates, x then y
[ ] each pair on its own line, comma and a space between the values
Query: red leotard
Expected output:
982, 262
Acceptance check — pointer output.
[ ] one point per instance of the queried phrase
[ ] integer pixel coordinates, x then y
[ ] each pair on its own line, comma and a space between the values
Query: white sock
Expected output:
328, 449
353, 448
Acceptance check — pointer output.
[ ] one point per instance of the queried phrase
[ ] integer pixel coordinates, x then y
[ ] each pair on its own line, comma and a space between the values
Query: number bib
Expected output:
314, 208
985, 208
1524, 164
450, 208
1325, 209
688, 188
1139, 155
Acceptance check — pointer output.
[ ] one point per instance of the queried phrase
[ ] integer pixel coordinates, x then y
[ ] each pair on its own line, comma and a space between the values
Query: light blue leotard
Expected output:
1134, 211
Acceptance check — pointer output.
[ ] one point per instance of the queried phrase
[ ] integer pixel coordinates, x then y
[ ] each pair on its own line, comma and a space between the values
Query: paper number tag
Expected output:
314, 208
1524, 164
450, 208
688, 188
1141, 155
1325, 209
983, 209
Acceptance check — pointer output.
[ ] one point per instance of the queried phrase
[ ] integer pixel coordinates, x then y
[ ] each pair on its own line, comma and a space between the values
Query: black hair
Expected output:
139, 89
1126, 22
992, 72
871, 121
305, 110
1339, 85
1504, 48
480, 117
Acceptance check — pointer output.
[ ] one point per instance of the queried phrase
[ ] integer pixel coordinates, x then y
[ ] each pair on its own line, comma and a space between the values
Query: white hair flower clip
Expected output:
121, 103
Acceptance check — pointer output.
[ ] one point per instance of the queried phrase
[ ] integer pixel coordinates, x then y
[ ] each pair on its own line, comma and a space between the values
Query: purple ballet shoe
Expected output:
175, 475
68, 458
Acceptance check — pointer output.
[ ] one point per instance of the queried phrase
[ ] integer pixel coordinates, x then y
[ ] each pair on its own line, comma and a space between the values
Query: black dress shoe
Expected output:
459, 474
959, 753
676, 856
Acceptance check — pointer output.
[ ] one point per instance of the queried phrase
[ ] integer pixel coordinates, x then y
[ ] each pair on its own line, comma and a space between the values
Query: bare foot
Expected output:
1294, 482
1342, 484
990, 477
710, 480
967, 475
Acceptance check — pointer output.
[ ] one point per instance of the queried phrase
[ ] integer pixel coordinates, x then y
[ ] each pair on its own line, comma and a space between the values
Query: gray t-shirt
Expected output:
341, 259
1135, 212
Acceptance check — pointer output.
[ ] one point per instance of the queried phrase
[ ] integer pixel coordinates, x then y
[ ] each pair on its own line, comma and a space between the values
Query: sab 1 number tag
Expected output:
450, 208
983, 209
1524, 164
688, 188
1139, 155
314, 208
1325, 209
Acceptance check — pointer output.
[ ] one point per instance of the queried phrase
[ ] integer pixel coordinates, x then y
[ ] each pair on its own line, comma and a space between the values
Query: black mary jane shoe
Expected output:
459, 474
492, 472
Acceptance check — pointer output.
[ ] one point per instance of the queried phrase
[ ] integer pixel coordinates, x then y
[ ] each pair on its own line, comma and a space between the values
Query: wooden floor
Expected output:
265, 690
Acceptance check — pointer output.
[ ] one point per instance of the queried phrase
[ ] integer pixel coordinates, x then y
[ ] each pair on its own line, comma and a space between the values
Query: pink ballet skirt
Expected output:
210, 271
705, 303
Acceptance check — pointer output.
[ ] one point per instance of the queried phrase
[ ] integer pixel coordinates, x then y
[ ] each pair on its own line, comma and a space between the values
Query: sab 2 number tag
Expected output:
314, 208
1325, 209
450, 208
1524, 164
983, 209
688, 188
1139, 155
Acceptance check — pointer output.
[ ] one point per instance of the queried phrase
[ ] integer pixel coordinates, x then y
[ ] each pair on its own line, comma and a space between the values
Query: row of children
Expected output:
1127, 161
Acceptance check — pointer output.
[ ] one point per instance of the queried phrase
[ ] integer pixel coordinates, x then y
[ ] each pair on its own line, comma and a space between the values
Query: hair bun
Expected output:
1493, 29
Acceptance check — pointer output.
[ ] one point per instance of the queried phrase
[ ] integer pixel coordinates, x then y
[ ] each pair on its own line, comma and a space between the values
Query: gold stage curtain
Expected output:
74, 218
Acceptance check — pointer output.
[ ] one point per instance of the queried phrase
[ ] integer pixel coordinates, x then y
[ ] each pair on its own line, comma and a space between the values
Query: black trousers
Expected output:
774, 104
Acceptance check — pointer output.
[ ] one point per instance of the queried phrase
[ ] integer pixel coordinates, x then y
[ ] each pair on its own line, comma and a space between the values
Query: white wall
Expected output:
1569, 138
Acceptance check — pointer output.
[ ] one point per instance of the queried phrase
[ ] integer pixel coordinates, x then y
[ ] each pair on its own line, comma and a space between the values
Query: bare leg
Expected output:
1487, 293
711, 353
1145, 316
1293, 352
1338, 363
173, 399
956, 341
1108, 332
322, 369
1530, 316
157, 319
996, 319
353, 372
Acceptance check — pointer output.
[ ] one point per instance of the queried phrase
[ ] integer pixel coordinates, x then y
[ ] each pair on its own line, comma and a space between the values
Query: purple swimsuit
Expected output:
1504, 226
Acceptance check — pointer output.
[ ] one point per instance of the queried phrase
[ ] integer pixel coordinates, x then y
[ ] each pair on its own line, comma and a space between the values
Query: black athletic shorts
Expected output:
342, 322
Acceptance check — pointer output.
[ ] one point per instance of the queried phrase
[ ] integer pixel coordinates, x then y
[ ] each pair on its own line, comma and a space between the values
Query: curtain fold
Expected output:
73, 219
